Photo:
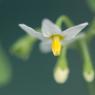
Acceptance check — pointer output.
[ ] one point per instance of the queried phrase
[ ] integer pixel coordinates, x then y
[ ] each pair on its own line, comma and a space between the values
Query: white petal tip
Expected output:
21, 25
45, 19
85, 24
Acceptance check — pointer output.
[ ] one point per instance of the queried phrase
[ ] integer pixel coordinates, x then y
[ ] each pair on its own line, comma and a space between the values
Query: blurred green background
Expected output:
35, 76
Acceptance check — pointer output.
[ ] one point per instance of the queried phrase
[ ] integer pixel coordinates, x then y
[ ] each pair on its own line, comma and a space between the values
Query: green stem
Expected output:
92, 25
91, 30
84, 49
86, 56
64, 19
62, 60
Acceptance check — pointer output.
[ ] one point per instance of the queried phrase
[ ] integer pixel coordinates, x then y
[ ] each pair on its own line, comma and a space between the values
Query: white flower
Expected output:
52, 37
89, 76
61, 75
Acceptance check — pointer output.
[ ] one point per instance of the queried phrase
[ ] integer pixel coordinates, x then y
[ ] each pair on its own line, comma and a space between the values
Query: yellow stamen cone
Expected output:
56, 45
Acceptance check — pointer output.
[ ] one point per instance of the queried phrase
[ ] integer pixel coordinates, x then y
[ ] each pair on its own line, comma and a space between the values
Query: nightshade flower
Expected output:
52, 37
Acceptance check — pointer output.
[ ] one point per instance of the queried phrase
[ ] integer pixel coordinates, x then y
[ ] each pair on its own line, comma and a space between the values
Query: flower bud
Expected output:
61, 75
61, 70
23, 47
88, 76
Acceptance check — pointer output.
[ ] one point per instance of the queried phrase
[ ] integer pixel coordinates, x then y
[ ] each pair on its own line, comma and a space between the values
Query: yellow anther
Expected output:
56, 45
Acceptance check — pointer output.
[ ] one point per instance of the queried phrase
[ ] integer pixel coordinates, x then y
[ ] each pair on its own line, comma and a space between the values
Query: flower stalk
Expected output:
88, 70
64, 19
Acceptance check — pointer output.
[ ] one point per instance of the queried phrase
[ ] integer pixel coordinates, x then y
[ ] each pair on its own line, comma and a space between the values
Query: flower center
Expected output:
56, 45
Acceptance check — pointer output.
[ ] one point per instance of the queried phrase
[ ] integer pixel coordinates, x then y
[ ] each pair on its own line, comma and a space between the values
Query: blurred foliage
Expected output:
23, 47
91, 4
5, 68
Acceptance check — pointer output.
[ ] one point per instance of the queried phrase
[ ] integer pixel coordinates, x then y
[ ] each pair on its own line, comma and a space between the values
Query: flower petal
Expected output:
68, 42
45, 46
49, 28
73, 31
31, 31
